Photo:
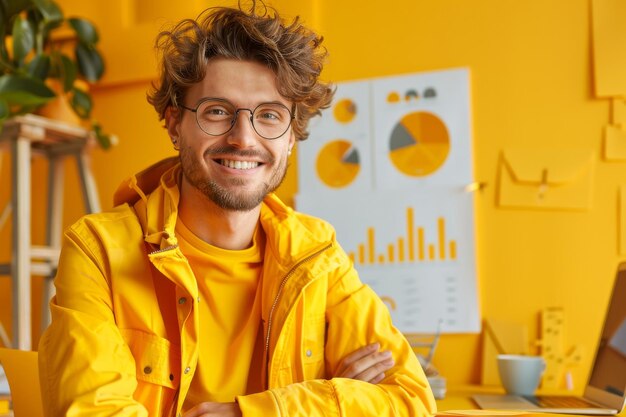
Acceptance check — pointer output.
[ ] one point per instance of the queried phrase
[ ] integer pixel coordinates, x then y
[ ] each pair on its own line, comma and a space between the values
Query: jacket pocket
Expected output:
157, 360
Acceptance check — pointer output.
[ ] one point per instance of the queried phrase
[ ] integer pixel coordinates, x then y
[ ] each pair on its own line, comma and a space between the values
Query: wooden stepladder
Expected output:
28, 136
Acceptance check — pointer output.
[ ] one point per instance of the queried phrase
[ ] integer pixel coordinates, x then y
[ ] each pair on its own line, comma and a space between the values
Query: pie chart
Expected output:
338, 163
345, 110
419, 144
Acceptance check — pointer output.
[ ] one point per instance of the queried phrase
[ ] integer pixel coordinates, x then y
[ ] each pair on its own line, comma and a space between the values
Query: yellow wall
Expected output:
531, 83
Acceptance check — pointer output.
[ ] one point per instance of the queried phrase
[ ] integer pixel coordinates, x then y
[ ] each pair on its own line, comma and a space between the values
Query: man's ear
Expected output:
292, 142
172, 123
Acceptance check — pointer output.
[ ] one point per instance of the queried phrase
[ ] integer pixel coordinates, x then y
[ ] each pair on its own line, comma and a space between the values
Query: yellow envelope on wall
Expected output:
614, 143
546, 179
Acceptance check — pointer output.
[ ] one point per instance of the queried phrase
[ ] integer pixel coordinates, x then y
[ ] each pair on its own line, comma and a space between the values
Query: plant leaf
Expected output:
24, 94
23, 38
24, 91
85, 30
13, 7
90, 62
81, 103
39, 66
68, 73
103, 139
50, 11
5, 111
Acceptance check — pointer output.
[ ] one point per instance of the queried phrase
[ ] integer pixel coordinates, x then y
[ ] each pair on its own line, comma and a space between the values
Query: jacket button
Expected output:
147, 370
198, 300
308, 353
187, 369
171, 377
182, 300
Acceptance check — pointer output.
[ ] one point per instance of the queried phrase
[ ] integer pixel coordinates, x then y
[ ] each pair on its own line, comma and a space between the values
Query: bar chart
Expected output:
410, 248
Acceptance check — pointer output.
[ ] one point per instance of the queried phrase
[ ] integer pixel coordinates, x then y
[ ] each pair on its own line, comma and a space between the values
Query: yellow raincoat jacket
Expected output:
124, 332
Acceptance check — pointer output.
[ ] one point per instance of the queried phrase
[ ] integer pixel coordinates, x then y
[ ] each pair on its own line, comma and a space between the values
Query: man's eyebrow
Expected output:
225, 100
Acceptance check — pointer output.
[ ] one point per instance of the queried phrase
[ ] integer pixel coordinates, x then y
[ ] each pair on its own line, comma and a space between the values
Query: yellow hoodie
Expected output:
124, 332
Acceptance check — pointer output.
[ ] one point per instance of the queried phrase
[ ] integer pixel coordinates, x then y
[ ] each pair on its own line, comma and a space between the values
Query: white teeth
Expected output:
239, 164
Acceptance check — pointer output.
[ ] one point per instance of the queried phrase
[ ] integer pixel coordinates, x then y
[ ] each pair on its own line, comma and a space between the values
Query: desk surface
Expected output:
460, 398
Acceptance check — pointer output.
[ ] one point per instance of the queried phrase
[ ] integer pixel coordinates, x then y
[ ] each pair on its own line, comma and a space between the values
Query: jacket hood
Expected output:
139, 185
154, 195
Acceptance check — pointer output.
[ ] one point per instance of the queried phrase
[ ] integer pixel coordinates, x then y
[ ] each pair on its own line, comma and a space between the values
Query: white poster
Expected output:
422, 130
400, 206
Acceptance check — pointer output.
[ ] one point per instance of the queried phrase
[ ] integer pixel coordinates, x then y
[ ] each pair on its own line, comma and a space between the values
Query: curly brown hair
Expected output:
292, 51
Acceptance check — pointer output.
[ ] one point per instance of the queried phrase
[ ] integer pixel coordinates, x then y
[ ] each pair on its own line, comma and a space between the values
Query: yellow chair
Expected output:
22, 372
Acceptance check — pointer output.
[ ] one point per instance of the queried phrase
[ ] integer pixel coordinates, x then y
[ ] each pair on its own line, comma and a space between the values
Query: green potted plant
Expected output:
34, 51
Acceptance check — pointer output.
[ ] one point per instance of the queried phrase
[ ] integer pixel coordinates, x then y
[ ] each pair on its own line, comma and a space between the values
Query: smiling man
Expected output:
201, 293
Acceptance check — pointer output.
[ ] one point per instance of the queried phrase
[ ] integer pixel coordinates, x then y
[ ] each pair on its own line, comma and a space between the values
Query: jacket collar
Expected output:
154, 193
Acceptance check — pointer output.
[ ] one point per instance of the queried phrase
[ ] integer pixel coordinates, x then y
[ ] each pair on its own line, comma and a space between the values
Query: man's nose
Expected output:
243, 134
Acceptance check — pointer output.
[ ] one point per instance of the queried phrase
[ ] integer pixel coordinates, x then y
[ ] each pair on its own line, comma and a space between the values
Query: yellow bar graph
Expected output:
420, 243
371, 244
409, 231
441, 226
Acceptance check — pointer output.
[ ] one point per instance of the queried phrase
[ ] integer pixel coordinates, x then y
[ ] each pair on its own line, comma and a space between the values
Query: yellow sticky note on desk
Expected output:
546, 179
477, 412
5, 402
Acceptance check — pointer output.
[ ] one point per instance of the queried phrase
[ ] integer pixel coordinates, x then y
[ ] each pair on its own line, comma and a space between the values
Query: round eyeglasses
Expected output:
216, 117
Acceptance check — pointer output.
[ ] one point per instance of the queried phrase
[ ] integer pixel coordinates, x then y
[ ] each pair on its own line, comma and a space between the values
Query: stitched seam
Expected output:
335, 396
44, 368
277, 401
76, 236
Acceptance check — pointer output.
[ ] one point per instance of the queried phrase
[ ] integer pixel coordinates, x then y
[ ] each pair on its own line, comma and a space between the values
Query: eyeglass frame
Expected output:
292, 115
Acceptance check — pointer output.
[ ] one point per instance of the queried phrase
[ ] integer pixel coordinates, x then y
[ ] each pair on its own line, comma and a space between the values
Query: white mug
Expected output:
520, 374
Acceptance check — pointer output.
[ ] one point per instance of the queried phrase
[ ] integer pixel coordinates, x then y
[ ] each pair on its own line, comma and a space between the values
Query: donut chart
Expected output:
338, 163
419, 144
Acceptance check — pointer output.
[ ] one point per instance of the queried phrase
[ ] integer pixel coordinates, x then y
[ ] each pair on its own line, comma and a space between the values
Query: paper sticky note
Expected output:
609, 43
614, 143
618, 112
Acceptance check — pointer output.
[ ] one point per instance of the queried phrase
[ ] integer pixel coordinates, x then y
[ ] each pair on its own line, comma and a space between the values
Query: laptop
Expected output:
604, 393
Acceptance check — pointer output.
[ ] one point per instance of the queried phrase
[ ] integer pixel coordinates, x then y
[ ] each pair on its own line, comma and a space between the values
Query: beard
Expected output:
223, 197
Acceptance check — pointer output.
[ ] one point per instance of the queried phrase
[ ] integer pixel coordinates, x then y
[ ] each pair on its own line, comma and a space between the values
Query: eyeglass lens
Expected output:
269, 120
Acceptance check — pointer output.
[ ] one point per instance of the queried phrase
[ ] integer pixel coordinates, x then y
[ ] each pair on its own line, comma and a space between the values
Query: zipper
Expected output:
275, 303
164, 249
